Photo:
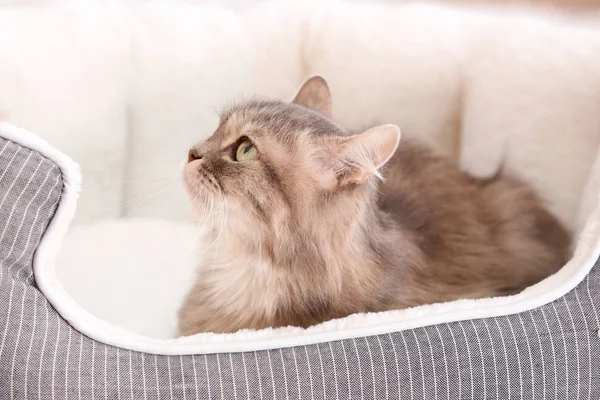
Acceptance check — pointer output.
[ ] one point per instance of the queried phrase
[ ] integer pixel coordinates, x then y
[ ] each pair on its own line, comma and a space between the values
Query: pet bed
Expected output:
542, 343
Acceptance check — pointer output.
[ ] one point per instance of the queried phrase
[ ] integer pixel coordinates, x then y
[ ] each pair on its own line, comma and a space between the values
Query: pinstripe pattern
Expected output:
552, 352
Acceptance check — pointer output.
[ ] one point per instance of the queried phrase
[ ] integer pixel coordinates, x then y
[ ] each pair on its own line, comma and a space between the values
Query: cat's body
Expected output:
312, 234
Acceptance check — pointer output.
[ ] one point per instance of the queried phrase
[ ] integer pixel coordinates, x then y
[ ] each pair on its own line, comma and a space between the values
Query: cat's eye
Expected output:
245, 151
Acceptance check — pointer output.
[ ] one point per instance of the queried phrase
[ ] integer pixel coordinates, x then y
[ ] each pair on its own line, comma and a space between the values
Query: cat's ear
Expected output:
315, 95
352, 160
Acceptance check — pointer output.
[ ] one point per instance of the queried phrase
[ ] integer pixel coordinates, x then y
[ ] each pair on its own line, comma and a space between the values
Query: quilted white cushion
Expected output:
125, 89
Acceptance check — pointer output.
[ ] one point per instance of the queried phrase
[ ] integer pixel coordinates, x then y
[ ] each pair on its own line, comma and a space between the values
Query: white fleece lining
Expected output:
358, 325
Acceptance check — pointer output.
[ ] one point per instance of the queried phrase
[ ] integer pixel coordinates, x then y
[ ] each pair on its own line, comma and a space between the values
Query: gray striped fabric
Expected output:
552, 352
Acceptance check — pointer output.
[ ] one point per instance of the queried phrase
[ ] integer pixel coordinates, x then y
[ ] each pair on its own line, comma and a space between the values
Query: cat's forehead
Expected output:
275, 119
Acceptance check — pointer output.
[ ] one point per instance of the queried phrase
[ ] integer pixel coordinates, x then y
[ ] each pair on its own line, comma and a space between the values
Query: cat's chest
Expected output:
231, 283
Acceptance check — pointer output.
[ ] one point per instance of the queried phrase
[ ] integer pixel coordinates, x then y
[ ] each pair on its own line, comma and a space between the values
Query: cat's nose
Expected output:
194, 154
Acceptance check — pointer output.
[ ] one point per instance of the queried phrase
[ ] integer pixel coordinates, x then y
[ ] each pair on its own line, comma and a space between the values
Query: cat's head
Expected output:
273, 167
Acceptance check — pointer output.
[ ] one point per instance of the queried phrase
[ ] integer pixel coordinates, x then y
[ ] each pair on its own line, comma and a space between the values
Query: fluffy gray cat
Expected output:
308, 230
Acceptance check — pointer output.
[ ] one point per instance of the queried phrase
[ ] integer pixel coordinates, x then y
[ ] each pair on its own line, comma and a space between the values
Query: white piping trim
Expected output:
354, 326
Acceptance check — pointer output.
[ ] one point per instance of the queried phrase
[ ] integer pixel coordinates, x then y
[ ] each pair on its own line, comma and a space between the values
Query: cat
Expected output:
311, 223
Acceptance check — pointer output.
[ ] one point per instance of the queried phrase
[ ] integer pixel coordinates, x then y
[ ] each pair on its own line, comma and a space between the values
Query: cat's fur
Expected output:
307, 232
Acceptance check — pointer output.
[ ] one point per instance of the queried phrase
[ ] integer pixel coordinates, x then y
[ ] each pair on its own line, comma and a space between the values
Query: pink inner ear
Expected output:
340, 161
357, 175
388, 149
377, 145
315, 95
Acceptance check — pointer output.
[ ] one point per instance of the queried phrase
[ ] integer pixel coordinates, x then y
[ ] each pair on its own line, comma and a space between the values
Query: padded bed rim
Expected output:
354, 326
